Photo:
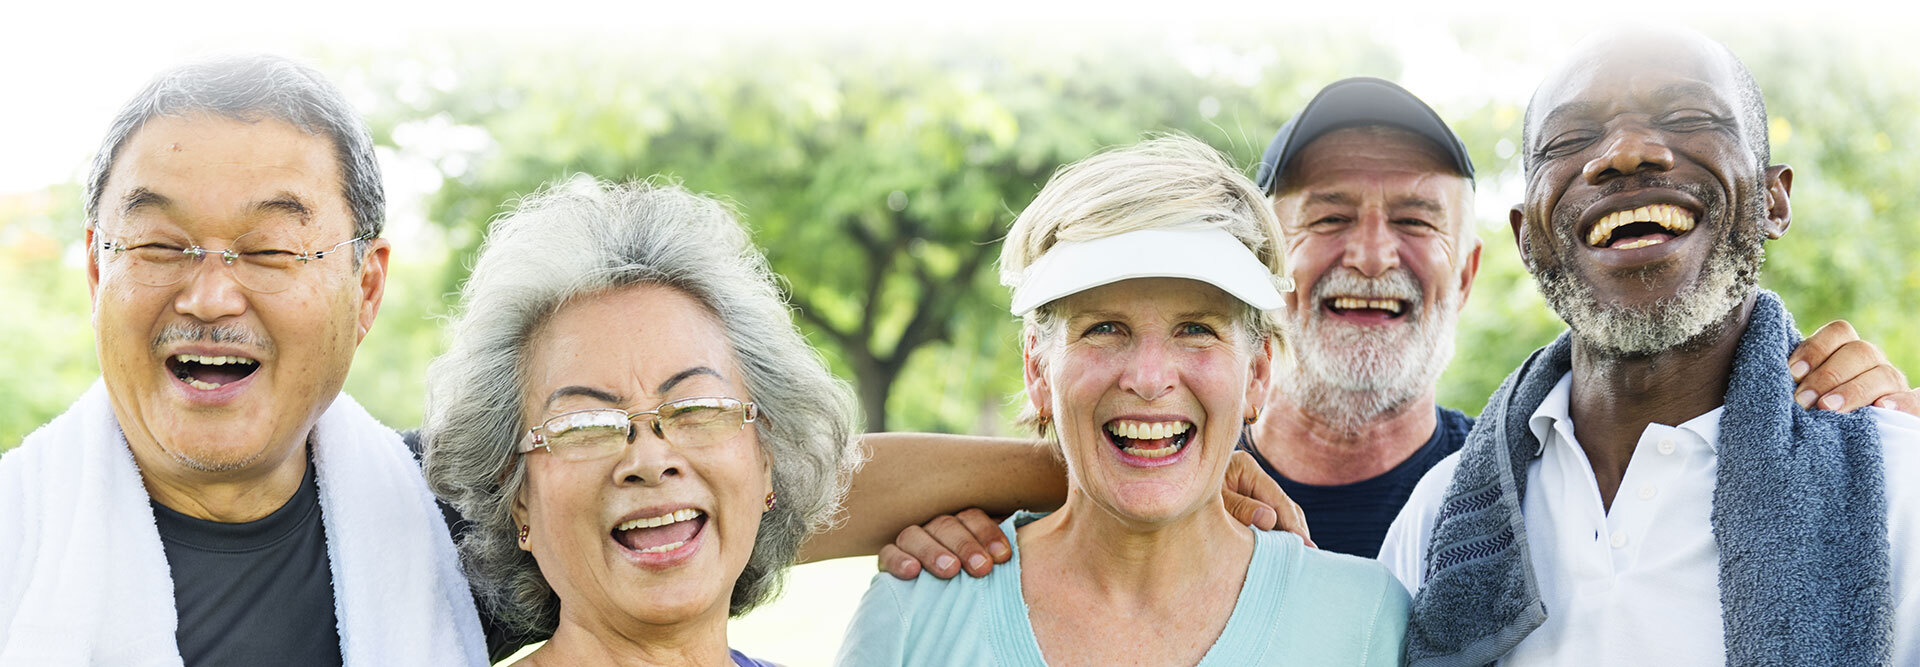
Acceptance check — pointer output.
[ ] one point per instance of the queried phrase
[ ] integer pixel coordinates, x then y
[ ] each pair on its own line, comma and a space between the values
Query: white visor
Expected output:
1210, 255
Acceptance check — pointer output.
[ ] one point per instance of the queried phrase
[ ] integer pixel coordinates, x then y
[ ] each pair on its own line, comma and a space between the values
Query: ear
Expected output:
766, 473
1259, 376
373, 283
1469, 269
1779, 182
520, 514
1517, 219
93, 267
1034, 368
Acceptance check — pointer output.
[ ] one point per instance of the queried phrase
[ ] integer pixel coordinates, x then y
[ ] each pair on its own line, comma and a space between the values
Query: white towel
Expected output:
84, 580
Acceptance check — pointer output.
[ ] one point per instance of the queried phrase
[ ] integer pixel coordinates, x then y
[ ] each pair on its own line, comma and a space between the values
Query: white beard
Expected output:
1349, 375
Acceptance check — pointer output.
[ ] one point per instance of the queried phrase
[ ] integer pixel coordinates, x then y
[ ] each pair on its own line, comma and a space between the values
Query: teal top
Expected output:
1298, 606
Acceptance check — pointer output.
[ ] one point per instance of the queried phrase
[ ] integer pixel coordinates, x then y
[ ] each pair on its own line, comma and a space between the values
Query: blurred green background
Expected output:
879, 168
879, 172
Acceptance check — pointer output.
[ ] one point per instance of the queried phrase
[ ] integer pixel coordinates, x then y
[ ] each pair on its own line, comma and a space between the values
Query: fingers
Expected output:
1865, 390
1855, 375
986, 531
1249, 511
897, 563
963, 537
1814, 351
1906, 401
1256, 499
927, 554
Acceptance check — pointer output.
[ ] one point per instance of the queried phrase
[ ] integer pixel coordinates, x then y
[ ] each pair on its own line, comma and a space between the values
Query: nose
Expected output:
1152, 370
210, 292
648, 460
1370, 245
1628, 151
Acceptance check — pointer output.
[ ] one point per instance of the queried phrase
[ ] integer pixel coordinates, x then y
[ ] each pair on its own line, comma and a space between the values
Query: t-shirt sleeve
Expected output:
877, 635
1387, 641
1405, 547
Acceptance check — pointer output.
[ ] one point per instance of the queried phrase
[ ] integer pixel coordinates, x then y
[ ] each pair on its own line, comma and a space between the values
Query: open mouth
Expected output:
1641, 227
1367, 307
208, 373
1149, 440
660, 534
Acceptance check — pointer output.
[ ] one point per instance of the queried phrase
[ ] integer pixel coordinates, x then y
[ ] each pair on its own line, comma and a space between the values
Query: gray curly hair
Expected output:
585, 237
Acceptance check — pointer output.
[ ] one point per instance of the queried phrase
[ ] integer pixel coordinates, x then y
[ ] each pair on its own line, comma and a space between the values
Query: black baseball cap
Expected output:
1361, 100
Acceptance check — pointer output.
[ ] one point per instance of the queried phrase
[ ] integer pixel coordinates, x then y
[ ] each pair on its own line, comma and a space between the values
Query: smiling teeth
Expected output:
1350, 303
212, 361
675, 516
670, 546
1133, 430
1155, 453
1675, 219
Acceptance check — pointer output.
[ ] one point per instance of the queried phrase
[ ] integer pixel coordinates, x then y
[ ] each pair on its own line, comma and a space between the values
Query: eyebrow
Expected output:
1424, 204
611, 398
287, 203
282, 202
1421, 204
600, 395
139, 198
683, 375
1335, 198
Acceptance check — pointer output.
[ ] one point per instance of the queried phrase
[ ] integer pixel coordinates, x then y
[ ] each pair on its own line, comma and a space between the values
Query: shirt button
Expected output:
1619, 539
1666, 445
1648, 491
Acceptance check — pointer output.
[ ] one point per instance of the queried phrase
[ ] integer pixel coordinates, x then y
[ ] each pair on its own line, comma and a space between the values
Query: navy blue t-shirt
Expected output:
1353, 518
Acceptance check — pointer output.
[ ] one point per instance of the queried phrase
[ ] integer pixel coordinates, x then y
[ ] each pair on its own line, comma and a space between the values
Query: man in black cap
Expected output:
1374, 194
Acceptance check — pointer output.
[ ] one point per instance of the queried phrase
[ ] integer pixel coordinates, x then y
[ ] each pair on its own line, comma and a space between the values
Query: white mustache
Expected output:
1397, 283
234, 334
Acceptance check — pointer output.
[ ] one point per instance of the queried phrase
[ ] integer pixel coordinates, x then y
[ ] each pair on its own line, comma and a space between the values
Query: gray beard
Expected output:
1347, 376
1685, 321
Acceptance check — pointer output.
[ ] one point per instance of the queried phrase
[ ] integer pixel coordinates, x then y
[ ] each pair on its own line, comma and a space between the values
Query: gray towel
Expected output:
1799, 514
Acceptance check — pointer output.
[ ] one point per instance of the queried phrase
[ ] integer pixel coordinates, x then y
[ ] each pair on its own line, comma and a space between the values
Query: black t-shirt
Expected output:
255, 593
1353, 518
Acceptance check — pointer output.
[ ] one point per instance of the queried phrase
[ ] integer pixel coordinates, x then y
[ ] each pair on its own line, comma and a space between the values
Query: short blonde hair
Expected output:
1166, 182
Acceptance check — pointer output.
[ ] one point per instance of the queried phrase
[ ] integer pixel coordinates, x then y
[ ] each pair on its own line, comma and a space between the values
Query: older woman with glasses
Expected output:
637, 432
1142, 276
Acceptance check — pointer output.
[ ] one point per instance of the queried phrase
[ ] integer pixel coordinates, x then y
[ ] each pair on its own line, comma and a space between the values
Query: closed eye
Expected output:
1568, 143
1689, 120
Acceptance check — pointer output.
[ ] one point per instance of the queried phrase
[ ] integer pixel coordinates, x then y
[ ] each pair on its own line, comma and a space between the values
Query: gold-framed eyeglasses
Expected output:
687, 423
260, 261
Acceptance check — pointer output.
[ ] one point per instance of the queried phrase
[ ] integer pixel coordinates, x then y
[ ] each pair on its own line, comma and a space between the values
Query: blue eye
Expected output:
1102, 328
1195, 329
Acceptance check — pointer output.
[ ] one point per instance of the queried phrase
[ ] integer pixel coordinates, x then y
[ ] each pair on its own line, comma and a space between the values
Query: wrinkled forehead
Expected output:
1622, 70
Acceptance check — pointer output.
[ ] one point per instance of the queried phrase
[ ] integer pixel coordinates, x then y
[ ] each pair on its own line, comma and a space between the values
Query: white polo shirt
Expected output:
1639, 584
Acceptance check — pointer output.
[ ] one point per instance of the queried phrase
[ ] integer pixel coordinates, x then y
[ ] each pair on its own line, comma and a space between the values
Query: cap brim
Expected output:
1209, 255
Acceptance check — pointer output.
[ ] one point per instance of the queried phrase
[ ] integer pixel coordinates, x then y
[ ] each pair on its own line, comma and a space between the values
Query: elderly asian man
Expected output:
1646, 490
215, 499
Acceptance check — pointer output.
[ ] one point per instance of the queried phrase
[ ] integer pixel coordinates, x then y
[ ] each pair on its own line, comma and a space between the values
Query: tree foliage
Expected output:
878, 173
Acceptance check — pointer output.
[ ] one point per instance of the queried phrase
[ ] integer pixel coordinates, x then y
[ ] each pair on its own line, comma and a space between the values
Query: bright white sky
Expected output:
65, 69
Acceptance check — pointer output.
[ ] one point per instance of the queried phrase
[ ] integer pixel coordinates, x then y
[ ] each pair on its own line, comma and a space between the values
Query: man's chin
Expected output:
215, 459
